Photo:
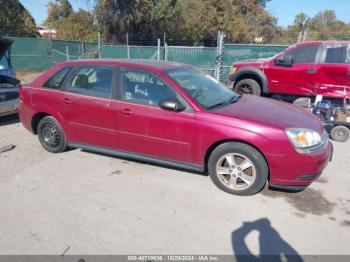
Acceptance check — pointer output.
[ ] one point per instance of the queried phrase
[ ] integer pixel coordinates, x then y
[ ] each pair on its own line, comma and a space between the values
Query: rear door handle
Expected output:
67, 101
349, 72
126, 111
311, 70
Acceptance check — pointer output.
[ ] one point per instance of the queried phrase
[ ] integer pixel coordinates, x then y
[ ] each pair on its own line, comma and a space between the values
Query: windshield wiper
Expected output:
230, 101
234, 98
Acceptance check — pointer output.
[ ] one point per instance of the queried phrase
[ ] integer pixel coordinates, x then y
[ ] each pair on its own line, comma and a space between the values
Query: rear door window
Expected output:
56, 81
143, 87
337, 54
93, 81
304, 54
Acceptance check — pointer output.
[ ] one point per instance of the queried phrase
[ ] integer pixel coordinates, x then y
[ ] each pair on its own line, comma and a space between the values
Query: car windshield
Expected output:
203, 88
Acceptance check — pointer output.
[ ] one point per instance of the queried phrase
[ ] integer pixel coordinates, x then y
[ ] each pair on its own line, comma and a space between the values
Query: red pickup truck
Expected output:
303, 69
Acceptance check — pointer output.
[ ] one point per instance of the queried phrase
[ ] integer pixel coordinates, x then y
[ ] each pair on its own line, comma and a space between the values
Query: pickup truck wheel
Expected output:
51, 135
247, 86
238, 169
340, 133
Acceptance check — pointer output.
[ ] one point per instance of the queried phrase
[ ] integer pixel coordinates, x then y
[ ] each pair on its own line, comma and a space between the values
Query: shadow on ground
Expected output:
272, 247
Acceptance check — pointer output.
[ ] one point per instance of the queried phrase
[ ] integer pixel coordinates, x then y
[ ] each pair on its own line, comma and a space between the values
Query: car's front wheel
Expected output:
51, 135
247, 86
238, 168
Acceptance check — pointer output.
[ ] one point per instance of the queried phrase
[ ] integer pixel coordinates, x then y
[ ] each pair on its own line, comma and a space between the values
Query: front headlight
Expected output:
233, 70
303, 138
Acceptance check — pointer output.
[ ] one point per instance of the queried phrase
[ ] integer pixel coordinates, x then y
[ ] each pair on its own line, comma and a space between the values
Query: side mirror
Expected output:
286, 61
172, 104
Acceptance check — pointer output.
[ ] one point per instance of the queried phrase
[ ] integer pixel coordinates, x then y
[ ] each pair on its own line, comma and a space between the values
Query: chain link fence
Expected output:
34, 54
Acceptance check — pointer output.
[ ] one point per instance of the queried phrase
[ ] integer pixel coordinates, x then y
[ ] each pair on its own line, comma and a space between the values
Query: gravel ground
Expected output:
79, 202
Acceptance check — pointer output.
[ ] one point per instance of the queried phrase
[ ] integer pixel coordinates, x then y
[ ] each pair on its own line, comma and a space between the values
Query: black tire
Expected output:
247, 86
51, 135
250, 153
340, 133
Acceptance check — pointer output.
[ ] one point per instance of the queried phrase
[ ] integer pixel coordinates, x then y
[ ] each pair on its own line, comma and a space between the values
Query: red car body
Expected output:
182, 139
319, 68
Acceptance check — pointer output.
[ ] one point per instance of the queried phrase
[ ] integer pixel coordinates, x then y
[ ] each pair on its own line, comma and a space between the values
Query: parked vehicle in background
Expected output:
6, 68
304, 69
173, 114
9, 85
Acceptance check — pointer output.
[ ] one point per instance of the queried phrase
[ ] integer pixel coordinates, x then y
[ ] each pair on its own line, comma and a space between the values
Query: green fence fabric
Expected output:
109, 51
40, 54
201, 57
31, 54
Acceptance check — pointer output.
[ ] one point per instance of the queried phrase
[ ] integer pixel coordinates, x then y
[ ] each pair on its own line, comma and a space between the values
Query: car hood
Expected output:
4, 46
255, 60
271, 112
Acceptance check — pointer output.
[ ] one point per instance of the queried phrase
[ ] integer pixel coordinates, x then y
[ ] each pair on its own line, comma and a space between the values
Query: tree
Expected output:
78, 26
57, 11
325, 26
189, 21
117, 17
69, 24
15, 20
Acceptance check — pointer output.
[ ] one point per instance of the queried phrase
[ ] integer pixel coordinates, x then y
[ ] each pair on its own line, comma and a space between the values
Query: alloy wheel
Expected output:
235, 171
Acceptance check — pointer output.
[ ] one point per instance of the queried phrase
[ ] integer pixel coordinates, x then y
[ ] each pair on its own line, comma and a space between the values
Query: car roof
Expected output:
146, 64
329, 42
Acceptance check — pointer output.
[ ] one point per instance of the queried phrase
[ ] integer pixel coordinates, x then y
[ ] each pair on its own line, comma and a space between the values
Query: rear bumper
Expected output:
9, 107
297, 172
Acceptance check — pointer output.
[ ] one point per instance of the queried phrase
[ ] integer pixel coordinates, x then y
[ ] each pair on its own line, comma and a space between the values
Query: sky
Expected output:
284, 10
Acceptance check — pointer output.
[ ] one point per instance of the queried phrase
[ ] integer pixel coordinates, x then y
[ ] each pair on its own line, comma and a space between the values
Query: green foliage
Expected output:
71, 25
78, 26
323, 26
193, 21
57, 11
15, 20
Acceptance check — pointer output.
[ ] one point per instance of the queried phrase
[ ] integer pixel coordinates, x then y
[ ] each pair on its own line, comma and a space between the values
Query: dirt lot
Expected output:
27, 76
86, 203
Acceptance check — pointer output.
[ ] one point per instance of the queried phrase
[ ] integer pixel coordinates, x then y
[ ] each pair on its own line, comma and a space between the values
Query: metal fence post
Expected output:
219, 60
99, 45
158, 51
67, 53
165, 51
127, 46
82, 49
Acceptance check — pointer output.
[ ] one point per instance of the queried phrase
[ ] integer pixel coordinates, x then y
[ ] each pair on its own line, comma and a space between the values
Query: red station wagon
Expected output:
173, 114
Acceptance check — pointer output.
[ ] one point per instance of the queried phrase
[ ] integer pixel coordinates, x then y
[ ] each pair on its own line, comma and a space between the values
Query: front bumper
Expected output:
9, 107
297, 171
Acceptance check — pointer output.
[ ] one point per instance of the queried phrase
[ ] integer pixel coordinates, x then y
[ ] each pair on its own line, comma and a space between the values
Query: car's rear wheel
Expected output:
51, 135
238, 168
340, 133
247, 86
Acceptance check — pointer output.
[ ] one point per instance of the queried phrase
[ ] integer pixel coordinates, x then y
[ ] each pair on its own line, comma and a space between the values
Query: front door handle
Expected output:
126, 111
349, 72
312, 70
67, 101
